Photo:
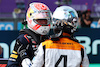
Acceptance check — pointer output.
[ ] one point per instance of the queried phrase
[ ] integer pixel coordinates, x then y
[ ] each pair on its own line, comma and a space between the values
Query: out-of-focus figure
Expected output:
0, 50
38, 20
62, 50
86, 19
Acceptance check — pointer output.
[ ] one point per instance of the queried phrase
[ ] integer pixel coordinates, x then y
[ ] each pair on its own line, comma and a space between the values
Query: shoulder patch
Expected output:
27, 37
24, 38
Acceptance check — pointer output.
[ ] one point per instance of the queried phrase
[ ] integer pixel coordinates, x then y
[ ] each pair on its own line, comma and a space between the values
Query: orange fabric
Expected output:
64, 34
80, 65
63, 43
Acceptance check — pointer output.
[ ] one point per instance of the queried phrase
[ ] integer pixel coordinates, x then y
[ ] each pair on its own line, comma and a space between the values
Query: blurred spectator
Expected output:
19, 11
99, 21
0, 50
20, 4
79, 19
16, 13
86, 19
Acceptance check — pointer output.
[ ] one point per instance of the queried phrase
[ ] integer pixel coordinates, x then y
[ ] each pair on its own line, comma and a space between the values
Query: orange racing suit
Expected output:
64, 52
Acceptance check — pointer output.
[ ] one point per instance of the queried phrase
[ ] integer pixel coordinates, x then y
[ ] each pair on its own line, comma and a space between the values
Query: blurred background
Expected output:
13, 12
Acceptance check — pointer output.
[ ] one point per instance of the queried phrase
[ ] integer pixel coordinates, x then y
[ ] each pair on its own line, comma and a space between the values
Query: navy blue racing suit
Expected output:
26, 37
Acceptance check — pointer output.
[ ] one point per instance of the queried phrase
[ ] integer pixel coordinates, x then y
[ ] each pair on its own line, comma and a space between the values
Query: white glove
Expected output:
26, 63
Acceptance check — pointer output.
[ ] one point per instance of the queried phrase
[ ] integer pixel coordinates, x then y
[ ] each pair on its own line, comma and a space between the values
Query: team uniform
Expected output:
27, 38
62, 50
38, 18
62, 53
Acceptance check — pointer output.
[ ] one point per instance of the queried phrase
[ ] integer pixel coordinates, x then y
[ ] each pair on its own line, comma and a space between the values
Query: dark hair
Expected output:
88, 10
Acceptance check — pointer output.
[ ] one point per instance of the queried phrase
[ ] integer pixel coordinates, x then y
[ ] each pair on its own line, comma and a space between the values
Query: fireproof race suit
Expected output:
64, 52
26, 37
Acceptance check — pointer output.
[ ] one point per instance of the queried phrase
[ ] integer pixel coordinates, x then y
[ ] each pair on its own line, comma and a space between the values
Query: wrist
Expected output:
26, 62
23, 55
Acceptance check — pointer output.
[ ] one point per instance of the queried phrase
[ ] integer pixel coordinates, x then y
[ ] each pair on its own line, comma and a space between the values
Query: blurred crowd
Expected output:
85, 19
